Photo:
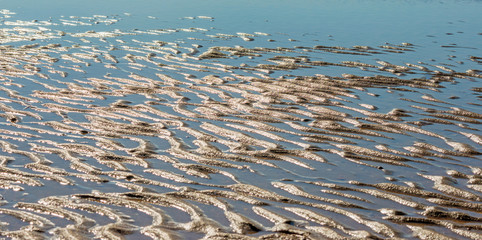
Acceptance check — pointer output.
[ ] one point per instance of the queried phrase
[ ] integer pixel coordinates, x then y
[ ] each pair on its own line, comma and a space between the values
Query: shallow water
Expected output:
240, 120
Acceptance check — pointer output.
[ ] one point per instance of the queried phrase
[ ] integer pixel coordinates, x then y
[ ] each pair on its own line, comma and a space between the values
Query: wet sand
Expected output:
120, 135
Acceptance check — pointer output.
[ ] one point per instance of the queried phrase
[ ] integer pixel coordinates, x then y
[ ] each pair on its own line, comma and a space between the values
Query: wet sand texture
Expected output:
119, 135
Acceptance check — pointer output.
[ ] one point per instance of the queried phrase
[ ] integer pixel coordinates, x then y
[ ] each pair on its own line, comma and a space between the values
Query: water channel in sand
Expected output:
240, 119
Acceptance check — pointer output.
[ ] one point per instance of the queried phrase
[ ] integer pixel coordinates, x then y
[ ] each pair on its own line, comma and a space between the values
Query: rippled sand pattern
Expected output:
118, 134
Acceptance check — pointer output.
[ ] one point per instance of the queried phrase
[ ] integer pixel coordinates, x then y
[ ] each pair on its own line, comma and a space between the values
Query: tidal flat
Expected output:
290, 120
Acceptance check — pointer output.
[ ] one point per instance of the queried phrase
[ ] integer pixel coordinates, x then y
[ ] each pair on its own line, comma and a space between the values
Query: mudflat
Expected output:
119, 125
